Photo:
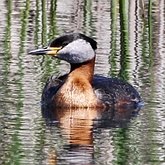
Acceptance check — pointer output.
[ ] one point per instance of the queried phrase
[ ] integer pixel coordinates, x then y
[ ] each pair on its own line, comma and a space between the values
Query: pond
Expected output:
131, 45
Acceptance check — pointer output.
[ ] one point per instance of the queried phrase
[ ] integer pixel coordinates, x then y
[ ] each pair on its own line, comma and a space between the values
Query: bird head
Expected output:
73, 48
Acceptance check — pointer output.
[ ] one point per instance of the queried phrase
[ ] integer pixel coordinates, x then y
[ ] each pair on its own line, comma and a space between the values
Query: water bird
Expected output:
80, 87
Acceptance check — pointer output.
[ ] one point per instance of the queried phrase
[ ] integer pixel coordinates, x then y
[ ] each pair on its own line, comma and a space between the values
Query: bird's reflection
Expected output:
77, 127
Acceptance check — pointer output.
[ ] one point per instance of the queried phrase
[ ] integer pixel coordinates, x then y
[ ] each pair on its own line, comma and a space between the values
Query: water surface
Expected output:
131, 46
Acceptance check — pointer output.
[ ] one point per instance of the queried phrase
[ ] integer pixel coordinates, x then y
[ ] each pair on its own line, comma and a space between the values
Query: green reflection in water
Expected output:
147, 54
15, 148
52, 20
47, 61
23, 31
124, 58
113, 54
44, 23
150, 32
7, 45
120, 139
121, 146
40, 136
146, 73
88, 17
5, 92
151, 117
37, 23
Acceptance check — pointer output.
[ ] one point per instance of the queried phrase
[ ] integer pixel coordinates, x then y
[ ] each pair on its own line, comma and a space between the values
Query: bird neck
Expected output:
77, 90
84, 70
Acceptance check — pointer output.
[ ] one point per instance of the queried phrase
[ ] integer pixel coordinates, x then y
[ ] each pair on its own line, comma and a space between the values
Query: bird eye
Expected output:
64, 44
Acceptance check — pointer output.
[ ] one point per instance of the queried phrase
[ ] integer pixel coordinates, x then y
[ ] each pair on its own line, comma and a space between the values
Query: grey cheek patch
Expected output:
77, 52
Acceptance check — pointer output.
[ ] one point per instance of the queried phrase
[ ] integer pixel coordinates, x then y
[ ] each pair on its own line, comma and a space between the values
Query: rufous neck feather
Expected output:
77, 90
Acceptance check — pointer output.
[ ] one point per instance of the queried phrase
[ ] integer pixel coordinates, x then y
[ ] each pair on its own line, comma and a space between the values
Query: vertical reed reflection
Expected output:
7, 46
13, 145
121, 137
87, 17
113, 54
37, 23
148, 73
44, 22
16, 143
150, 31
124, 59
146, 55
120, 142
52, 19
5, 91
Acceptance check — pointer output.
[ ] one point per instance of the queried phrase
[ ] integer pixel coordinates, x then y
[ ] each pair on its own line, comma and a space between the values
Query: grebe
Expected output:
80, 87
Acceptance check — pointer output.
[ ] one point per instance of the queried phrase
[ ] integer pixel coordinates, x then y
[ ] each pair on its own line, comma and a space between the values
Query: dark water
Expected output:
131, 45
